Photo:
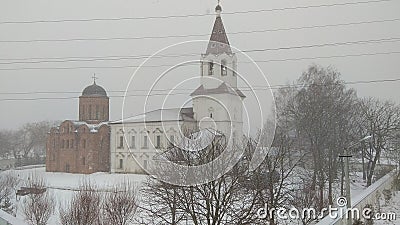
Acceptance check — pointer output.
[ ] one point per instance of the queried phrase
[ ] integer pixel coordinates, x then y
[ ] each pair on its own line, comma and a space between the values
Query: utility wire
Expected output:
186, 93
195, 63
371, 41
194, 15
198, 35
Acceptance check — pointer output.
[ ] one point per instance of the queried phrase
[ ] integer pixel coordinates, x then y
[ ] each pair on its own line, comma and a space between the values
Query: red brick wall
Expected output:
75, 157
89, 105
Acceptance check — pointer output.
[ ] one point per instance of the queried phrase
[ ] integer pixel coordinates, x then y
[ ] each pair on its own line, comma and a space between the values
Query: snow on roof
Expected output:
173, 114
93, 128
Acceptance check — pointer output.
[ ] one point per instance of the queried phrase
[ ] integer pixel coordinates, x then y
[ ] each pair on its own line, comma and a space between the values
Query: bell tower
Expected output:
217, 102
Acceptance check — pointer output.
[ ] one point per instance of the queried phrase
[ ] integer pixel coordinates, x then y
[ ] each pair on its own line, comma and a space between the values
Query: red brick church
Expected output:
82, 146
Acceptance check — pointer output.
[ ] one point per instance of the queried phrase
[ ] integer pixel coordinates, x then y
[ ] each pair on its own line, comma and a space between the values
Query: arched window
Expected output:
224, 71
90, 112
211, 68
97, 112
211, 111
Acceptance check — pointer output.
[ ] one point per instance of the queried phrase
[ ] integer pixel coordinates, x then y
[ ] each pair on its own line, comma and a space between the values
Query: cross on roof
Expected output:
94, 78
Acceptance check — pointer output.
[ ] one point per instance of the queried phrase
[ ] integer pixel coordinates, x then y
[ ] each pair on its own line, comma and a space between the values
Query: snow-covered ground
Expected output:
63, 185
393, 206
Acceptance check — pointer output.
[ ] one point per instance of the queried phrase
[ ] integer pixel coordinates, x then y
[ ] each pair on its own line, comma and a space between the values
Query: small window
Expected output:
121, 163
211, 68
62, 144
72, 144
90, 112
145, 164
83, 161
171, 141
54, 143
145, 144
158, 141
224, 71
67, 168
97, 112
133, 142
121, 141
67, 144
84, 143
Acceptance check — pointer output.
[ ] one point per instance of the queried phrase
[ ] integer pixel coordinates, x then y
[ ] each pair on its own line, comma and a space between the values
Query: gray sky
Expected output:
16, 112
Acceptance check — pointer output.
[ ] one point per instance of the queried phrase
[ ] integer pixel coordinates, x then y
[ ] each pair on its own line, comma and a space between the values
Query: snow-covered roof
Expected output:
173, 114
221, 89
93, 128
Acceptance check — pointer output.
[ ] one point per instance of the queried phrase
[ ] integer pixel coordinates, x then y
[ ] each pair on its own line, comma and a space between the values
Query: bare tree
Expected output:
8, 186
322, 111
84, 208
120, 204
381, 121
38, 206
224, 200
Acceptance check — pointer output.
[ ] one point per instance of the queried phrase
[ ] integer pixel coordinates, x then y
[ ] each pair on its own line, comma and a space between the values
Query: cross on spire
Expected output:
94, 78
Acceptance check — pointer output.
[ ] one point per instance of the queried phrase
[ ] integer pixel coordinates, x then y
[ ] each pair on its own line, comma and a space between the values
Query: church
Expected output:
82, 146
217, 104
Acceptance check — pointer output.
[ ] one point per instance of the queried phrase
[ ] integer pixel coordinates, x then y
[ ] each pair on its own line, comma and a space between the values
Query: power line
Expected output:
169, 65
272, 87
371, 41
195, 15
198, 35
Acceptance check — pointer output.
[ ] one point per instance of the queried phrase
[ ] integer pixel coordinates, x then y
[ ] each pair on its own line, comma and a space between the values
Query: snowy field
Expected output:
63, 185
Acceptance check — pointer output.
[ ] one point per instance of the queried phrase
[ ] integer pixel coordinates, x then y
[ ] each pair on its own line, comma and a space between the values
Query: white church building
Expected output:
217, 105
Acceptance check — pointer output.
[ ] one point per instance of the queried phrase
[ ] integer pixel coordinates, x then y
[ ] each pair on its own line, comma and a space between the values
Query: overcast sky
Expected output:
69, 76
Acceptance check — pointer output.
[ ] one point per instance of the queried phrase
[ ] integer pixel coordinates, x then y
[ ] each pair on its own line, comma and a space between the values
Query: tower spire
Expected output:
218, 9
219, 42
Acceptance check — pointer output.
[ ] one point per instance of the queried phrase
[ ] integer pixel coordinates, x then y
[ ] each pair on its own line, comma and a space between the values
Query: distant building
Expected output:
137, 140
82, 146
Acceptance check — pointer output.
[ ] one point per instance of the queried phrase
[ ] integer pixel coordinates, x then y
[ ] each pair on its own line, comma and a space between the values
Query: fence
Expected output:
369, 196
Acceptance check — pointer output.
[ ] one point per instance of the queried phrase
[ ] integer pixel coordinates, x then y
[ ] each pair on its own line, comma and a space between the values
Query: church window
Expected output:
121, 163
158, 141
97, 112
72, 143
67, 144
62, 144
145, 144
171, 140
223, 68
90, 112
54, 143
211, 115
211, 68
133, 142
121, 141
83, 111
84, 143
67, 168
